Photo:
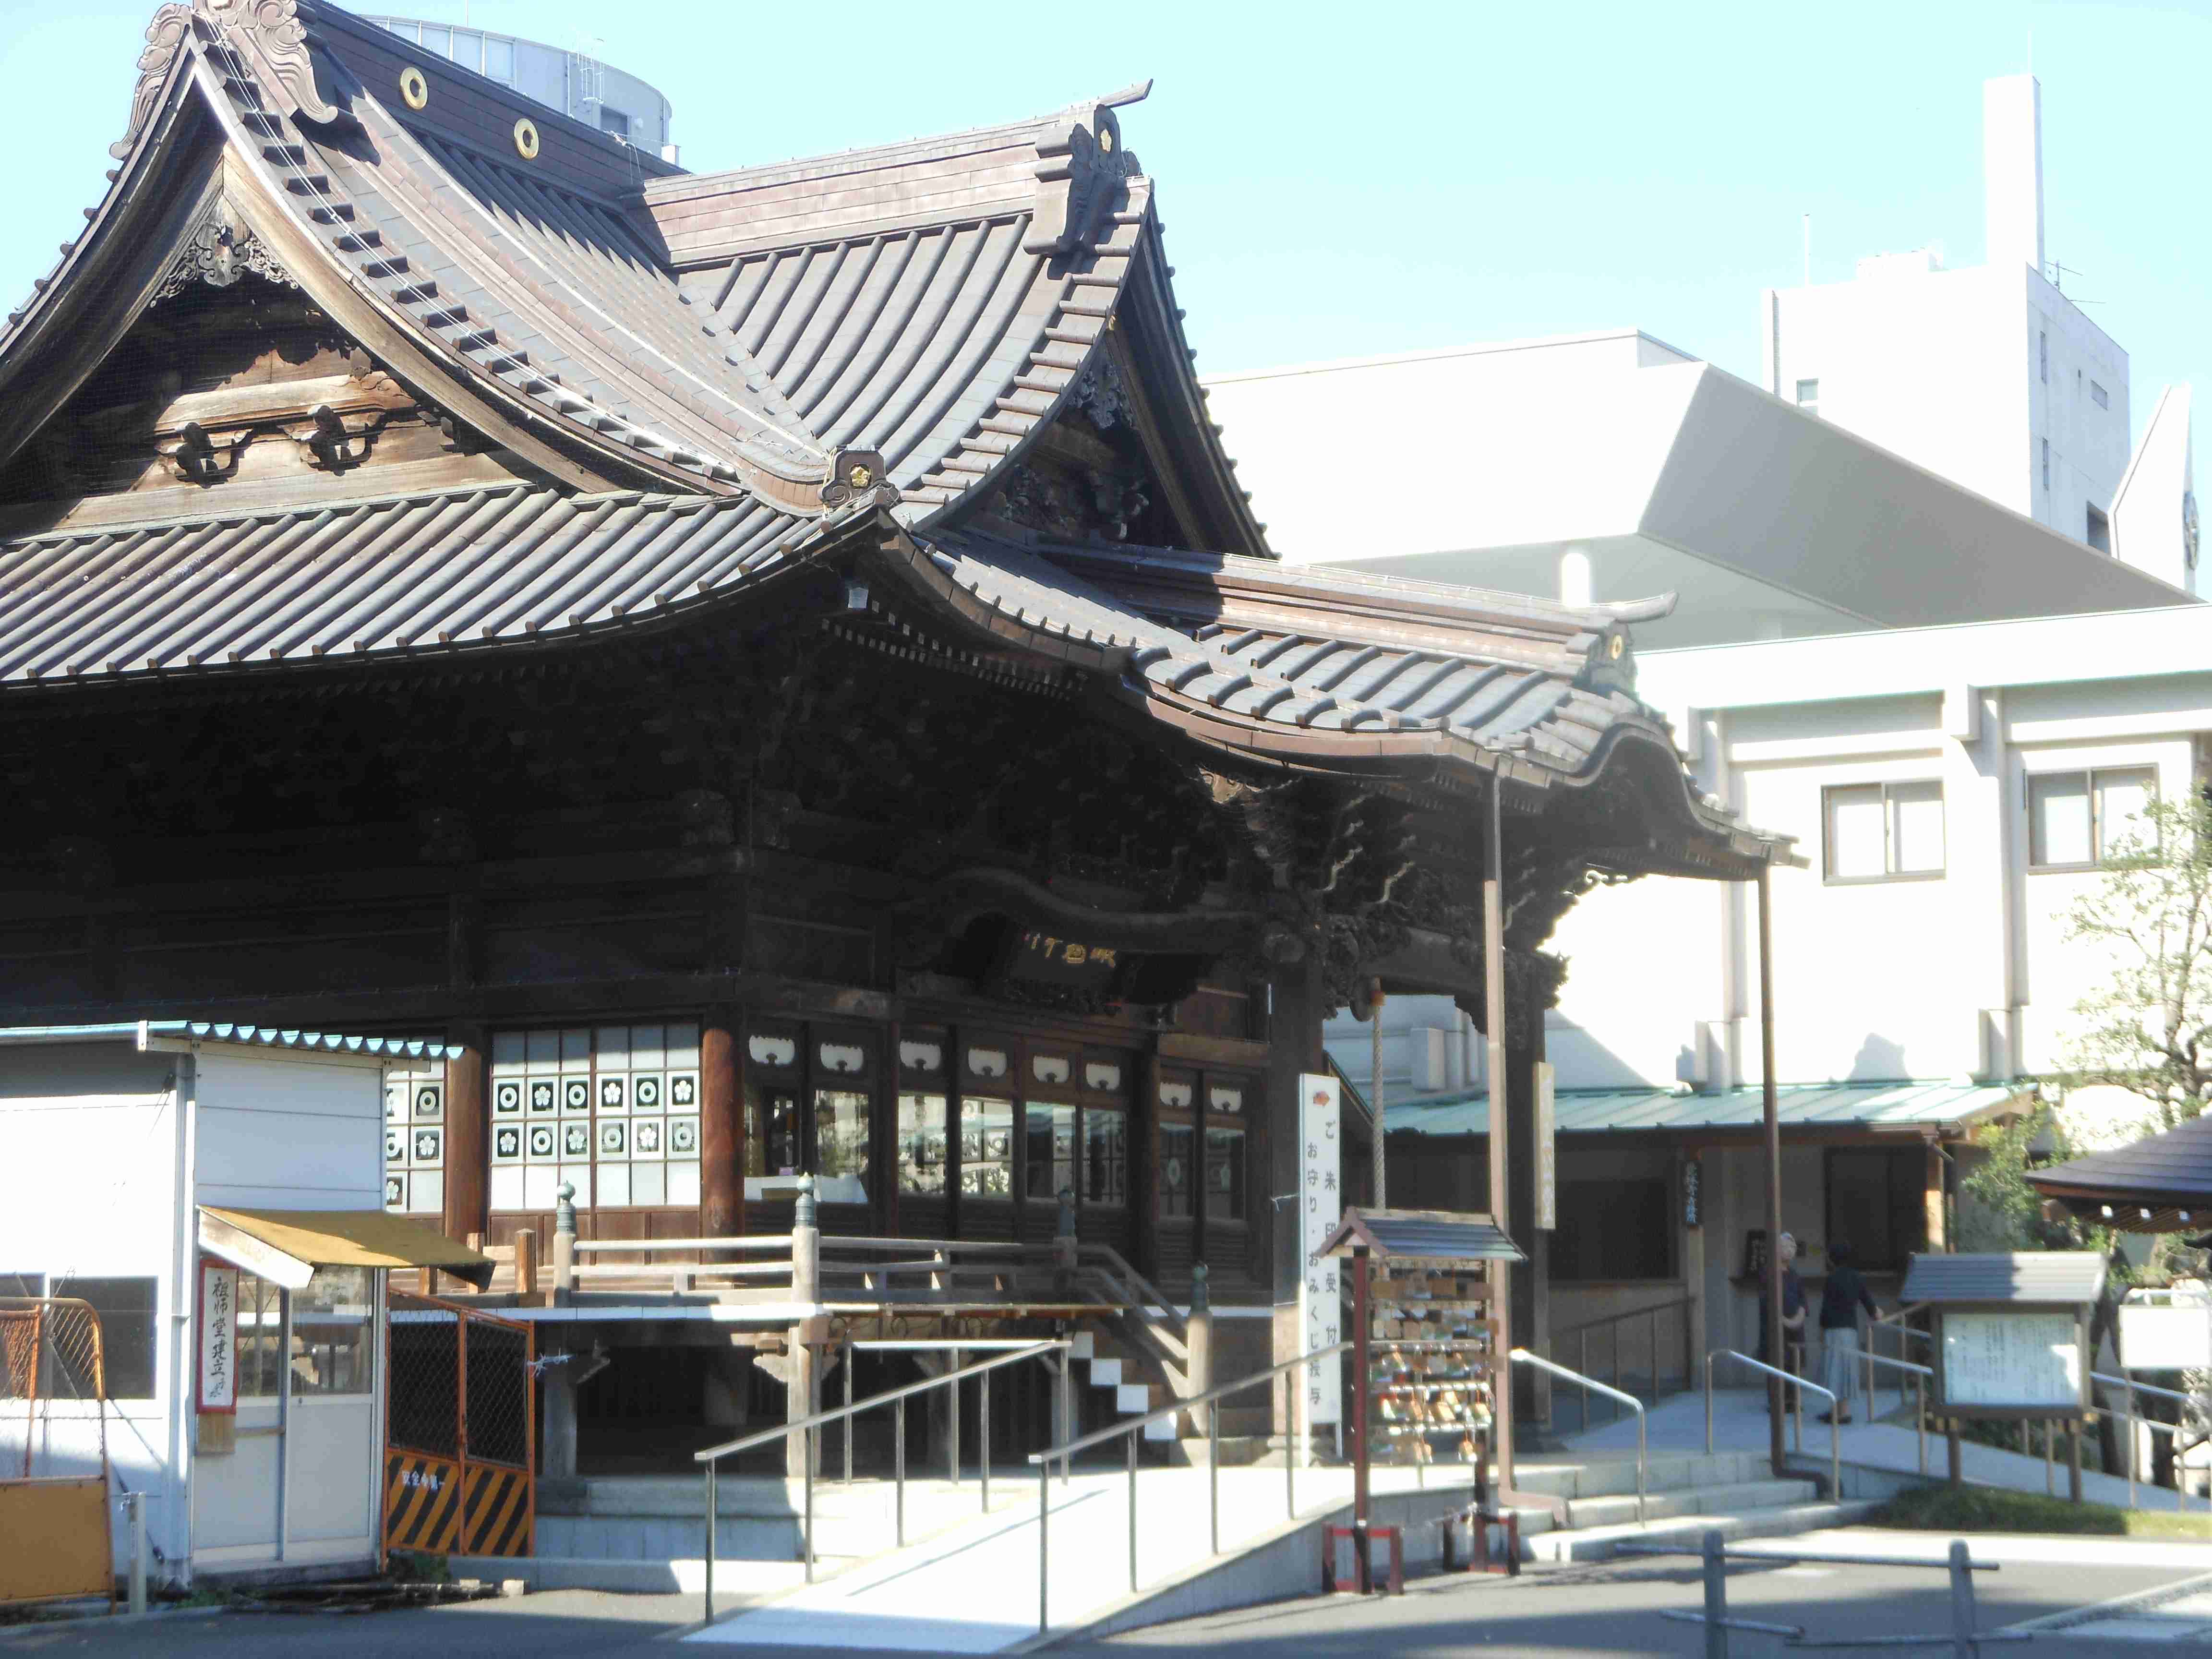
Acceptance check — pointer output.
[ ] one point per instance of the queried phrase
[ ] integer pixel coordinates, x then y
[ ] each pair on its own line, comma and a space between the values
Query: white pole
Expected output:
1808, 250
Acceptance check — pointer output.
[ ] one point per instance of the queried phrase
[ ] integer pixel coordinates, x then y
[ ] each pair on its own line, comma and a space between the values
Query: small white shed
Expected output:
148, 1167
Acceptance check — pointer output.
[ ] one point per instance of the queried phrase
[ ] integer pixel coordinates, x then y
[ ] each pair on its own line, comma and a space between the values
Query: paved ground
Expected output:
1611, 1609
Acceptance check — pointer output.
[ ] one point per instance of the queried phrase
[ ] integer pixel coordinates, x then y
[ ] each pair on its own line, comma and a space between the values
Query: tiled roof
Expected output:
2020, 1276
1898, 1106
460, 567
2162, 1171
1422, 1236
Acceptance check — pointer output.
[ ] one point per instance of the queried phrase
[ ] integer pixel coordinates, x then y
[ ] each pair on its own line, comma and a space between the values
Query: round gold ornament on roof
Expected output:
525, 139
1614, 647
413, 88
861, 478
1106, 140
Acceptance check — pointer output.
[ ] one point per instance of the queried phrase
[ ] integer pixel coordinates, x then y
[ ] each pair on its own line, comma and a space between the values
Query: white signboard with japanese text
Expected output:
1547, 1162
1321, 1192
2018, 1360
218, 1338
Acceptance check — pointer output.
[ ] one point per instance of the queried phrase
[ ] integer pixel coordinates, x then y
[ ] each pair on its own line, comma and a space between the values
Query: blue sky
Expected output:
1339, 181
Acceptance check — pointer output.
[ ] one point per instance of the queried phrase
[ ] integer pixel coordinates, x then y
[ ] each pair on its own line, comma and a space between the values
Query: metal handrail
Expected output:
2173, 1430
807, 1425
1835, 1427
1684, 1304
1130, 1428
1179, 1324
1642, 1457
1920, 1376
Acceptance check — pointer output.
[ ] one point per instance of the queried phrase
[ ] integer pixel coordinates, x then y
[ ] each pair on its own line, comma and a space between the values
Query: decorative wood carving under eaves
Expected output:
267, 35
219, 251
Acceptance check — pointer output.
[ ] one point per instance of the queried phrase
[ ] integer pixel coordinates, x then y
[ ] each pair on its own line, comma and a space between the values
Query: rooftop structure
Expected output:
575, 82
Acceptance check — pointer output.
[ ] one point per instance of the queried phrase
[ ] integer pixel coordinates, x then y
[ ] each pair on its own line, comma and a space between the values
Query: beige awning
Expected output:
288, 1245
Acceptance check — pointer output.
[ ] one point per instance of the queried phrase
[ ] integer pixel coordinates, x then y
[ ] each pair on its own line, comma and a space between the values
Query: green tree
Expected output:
2147, 1028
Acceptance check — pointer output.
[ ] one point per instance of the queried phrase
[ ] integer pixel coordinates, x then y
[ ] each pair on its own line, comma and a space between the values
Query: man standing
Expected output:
1841, 1298
1792, 1320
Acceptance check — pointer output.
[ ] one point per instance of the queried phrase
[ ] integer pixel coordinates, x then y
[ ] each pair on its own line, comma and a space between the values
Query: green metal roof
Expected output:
1822, 1105
139, 1033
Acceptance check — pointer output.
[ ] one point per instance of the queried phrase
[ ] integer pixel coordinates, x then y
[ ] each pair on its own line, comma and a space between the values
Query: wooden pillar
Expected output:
468, 1135
1531, 1285
1938, 1234
722, 1126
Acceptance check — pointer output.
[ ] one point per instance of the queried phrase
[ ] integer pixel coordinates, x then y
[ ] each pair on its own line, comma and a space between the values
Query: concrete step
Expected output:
1601, 1543
1612, 1473
1620, 1510
1083, 1345
1105, 1373
1132, 1398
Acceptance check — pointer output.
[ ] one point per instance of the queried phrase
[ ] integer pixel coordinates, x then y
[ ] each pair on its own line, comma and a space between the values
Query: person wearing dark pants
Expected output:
1781, 1355
1841, 1298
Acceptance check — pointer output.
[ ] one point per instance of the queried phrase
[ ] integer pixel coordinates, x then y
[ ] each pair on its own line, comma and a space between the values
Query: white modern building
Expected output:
1988, 374
1891, 641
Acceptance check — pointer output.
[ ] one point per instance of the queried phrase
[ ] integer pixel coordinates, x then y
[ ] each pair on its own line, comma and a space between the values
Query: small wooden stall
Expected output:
2012, 1340
1429, 1345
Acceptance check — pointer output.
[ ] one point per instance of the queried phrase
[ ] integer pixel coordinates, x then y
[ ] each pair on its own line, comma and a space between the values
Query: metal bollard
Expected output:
1962, 1602
707, 1616
1716, 1642
134, 1504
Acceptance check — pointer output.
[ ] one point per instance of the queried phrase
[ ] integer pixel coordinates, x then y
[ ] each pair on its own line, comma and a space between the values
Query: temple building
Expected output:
773, 670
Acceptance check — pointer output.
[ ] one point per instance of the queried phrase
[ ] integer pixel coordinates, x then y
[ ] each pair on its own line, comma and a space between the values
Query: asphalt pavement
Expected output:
1609, 1609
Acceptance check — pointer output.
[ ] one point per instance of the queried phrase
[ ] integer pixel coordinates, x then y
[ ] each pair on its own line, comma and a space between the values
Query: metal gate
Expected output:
53, 1465
461, 1435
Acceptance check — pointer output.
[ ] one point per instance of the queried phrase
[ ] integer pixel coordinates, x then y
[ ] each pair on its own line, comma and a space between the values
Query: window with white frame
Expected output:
1809, 396
415, 1139
2077, 820
611, 1110
2098, 396
1883, 831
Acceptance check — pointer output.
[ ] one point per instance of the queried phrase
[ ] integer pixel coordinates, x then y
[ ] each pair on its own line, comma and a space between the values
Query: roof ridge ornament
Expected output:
1080, 167
267, 34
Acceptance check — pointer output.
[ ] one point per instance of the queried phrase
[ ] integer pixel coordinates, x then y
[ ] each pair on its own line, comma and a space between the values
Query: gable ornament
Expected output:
219, 250
266, 34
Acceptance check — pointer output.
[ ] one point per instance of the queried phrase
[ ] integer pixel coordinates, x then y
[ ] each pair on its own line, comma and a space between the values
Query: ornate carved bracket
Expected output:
267, 35
218, 252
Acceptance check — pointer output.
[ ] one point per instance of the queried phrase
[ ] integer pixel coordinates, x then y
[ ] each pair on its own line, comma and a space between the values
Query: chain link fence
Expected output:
499, 1393
53, 1388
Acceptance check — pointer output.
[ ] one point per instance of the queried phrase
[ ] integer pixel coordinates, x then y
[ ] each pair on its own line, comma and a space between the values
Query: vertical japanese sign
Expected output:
218, 1323
1548, 1163
1321, 1206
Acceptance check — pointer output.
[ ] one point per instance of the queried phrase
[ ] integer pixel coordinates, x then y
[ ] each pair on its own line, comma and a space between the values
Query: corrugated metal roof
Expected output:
1868, 1106
460, 567
251, 1037
1425, 1235
2024, 1276
2163, 1171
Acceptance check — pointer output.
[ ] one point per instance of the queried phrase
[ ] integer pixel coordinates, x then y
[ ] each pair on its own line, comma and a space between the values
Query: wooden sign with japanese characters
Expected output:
1321, 1206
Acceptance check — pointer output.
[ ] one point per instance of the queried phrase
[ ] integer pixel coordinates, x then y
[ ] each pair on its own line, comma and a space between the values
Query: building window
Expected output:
1884, 831
1613, 1230
614, 123
125, 1306
1877, 1204
1176, 1146
1225, 1174
333, 1335
499, 58
987, 1147
415, 1140
1049, 1153
467, 49
921, 1144
2098, 396
2077, 820
1105, 1156
22, 1285
2046, 464
612, 1109
2043, 352
438, 38
2100, 530
260, 1337
1809, 396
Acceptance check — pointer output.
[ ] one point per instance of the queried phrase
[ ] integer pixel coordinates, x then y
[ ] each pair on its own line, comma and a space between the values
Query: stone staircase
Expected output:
1689, 1493
1110, 1362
